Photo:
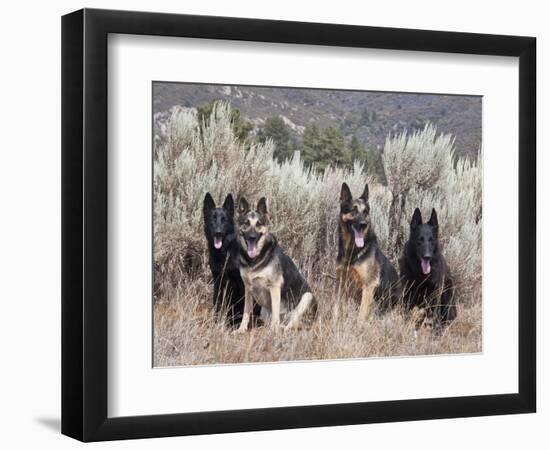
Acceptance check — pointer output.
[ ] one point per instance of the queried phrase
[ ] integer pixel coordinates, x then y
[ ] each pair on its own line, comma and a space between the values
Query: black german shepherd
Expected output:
219, 229
426, 278
271, 278
362, 270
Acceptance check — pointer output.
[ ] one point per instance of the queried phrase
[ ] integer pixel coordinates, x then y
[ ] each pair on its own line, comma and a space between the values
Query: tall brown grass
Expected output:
422, 170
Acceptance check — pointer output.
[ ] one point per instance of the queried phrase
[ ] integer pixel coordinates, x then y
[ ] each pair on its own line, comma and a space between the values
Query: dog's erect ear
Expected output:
416, 219
345, 194
365, 194
262, 206
229, 204
243, 206
433, 220
208, 203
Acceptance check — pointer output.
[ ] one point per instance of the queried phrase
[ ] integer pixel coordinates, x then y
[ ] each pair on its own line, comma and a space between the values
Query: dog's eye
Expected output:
259, 224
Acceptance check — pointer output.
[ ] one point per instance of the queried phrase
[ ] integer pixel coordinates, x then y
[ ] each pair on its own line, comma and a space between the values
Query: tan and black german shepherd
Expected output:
362, 270
270, 277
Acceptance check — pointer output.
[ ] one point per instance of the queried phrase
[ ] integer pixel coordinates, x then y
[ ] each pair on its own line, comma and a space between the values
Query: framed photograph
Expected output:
273, 225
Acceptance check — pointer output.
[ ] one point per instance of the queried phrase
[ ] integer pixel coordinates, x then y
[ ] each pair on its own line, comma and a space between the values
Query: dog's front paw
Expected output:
418, 316
428, 324
238, 331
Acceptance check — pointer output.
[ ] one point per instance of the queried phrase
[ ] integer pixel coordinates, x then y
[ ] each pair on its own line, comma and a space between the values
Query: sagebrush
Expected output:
204, 155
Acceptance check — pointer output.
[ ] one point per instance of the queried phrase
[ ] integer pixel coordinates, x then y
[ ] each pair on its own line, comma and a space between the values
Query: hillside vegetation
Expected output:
369, 116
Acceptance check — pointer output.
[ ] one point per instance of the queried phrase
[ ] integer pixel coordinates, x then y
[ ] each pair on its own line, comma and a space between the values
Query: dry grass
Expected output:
304, 205
186, 333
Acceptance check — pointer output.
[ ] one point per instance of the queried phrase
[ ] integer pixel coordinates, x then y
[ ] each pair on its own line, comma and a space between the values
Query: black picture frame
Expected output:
84, 224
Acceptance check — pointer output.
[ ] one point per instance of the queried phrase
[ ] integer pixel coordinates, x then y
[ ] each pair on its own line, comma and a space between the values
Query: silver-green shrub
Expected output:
421, 170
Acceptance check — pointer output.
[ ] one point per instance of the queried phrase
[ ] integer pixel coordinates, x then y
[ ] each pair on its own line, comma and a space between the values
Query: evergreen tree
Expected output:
276, 129
335, 149
322, 148
311, 144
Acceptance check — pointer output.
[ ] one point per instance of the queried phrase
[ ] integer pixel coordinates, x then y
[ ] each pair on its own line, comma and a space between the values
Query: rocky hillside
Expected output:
371, 116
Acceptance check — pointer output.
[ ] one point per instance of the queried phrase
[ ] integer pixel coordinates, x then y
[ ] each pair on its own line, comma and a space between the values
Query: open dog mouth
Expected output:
425, 266
358, 236
217, 242
251, 247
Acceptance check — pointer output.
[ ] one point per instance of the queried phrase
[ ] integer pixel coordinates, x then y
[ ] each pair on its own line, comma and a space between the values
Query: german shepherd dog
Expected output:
271, 278
223, 259
426, 279
362, 270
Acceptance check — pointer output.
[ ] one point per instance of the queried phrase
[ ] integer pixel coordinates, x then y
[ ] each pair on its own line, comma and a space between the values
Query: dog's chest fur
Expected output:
361, 274
260, 282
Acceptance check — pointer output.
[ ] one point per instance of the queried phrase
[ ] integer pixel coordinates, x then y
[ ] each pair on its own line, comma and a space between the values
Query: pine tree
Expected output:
322, 148
335, 150
311, 144
276, 129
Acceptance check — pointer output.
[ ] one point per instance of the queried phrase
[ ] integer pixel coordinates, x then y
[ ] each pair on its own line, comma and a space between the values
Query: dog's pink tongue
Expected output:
217, 242
252, 250
359, 238
426, 267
